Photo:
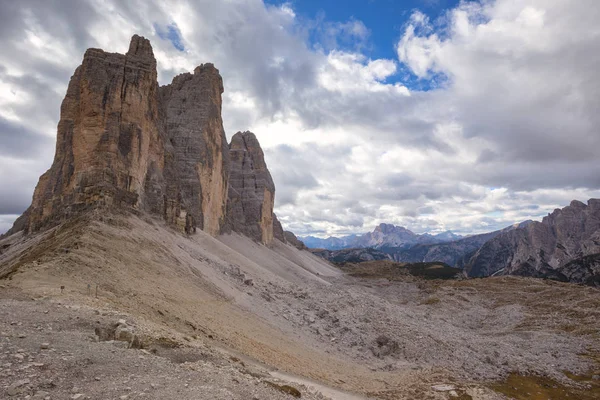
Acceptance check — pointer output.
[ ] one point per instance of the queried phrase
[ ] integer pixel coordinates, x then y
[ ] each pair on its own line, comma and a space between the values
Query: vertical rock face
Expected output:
251, 190
191, 106
109, 138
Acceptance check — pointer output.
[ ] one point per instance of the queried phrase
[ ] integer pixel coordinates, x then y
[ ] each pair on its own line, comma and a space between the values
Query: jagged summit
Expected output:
125, 142
139, 46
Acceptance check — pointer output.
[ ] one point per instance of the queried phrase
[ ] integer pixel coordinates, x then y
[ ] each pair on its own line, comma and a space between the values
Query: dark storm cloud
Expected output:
18, 141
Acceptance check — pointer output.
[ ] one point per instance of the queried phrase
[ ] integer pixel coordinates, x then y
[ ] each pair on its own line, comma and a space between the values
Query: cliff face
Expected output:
124, 142
251, 190
109, 138
191, 106
553, 248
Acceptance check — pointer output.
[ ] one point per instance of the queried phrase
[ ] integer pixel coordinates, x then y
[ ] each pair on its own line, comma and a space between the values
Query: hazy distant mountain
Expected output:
384, 235
331, 243
455, 253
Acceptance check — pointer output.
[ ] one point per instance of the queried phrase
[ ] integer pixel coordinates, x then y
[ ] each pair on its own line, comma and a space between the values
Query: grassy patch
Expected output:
287, 389
398, 271
430, 301
521, 387
432, 270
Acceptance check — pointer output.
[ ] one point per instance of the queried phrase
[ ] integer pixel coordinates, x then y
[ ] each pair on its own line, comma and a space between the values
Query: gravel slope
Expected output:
282, 309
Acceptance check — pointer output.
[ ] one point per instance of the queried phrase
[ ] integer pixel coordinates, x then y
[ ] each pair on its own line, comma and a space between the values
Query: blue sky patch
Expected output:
171, 33
385, 21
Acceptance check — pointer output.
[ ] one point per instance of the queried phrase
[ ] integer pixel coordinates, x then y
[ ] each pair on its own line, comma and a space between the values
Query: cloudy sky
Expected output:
431, 114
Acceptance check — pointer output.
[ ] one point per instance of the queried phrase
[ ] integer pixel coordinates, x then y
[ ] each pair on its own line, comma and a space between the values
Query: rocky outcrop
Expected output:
552, 248
124, 142
278, 232
293, 240
251, 190
191, 107
109, 139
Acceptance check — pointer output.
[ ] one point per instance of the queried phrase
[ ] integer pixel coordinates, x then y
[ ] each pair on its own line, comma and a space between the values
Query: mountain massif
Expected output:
124, 141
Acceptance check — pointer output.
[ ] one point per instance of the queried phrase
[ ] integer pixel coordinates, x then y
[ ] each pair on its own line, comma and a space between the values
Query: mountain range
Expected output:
564, 246
384, 235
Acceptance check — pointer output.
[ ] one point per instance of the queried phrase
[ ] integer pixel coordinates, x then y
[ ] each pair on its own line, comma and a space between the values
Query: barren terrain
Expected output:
230, 318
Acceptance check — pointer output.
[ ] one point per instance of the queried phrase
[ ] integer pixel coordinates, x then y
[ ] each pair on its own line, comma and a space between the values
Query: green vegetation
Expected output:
287, 389
432, 270
397, 271
532, 387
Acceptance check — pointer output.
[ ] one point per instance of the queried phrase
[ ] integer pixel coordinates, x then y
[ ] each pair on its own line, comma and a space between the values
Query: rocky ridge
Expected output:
564, 246
456, 253
125, 142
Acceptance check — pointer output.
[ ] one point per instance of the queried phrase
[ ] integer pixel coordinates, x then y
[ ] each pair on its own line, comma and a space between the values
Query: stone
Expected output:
18, 387
251, 190
443, 388
77, 396
44, 346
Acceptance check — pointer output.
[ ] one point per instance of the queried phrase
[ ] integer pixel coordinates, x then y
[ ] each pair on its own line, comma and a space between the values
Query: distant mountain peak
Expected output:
384, 235
391, 229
